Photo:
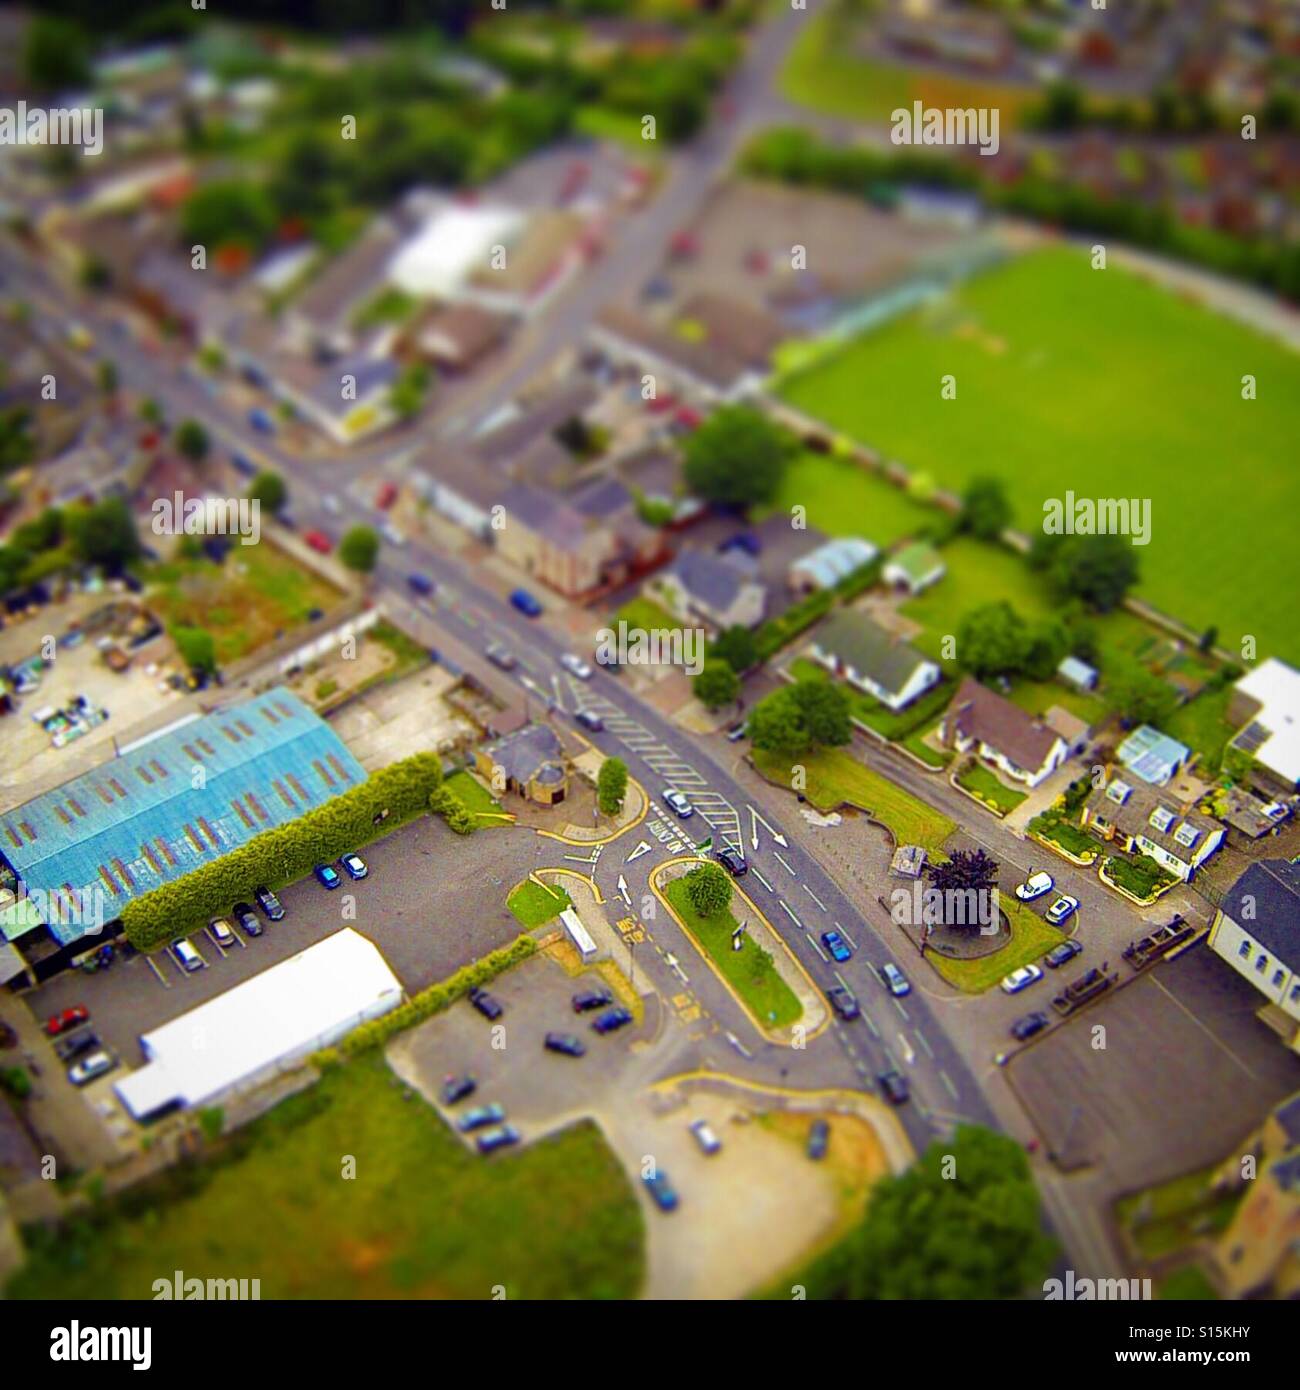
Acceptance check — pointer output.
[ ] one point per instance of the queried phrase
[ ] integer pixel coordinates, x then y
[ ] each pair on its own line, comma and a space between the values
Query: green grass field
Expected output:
534, 904
476, 799
424, 1217
1100, 383
978, 779
1031, 939
843, 499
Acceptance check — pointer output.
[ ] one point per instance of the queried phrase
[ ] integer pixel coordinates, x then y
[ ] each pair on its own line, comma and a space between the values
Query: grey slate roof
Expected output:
859, 642
709, 579
525, 754
1272, 887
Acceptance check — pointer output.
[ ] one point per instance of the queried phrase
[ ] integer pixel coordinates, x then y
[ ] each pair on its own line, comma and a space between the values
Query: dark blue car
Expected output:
420, 583
663, 1192
327, 875
526, 603
612, 1019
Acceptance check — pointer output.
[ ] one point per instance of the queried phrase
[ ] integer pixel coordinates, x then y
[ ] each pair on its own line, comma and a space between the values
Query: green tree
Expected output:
709, 890
228, 213
192, 440
108, 377
151, 412
800, 717
270, 491
103, 534
407, 396
736, 646
736, 458
775, 725
197, 648
992, 641
824, 708
1140, 697
359, 549
1046, 646
56, 54
611, 786
986, 513
17, 443
716, 685
1098, 569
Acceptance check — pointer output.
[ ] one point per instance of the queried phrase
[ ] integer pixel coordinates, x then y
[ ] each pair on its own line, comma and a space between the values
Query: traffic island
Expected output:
763, 976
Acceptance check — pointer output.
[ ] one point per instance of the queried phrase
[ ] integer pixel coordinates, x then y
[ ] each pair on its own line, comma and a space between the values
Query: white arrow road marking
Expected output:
761, 879
738, 1045
788, 869
674, 964
622, 890
791, 915
755, 820
814, 897
909, 1056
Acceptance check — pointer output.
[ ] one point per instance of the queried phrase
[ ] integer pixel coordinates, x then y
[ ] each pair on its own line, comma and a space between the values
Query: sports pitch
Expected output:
1096, 381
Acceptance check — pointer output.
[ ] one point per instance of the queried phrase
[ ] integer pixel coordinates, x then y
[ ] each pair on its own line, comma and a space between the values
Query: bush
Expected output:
776, 632
709, 890
16, 1081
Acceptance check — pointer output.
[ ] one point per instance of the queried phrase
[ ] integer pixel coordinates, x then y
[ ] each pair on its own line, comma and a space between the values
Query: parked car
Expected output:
480, 1116
590, 720
737, 731
1034, 887
392, 535
269, 903
588, 999
1024, 1028
1062, 954
189, 958
576, 666
662, 1191
74, 1045
526, 603
354, 866
1022, 979
96, 1064
819, 1138
456, 1088
502, 657
731, 860
1061, 909
743, 540
611, 1020
420, 583
487, 1004
837, 946
705, 1137
894, 1085
895, 981
69, 1018
500, 1138
678, 804
386, 496
318, 541
261, 421
844, 1003
222, 933
565, 1043
327, 875
247, 919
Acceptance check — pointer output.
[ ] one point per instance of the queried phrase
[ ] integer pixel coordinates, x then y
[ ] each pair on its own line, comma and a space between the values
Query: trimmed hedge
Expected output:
776, 632
436, 998
284, 853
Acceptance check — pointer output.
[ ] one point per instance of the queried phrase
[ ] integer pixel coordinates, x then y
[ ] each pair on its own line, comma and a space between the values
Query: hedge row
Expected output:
437, 997
285, 853
776, 632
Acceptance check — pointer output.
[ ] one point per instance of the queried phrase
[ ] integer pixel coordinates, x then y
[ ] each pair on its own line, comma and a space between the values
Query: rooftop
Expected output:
1265, 901
980, 713
873, 652
1151, 755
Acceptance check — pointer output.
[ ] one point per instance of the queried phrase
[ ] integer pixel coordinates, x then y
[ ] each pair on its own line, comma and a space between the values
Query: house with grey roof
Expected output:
857, 648
1143, 820
530, 762
718, 590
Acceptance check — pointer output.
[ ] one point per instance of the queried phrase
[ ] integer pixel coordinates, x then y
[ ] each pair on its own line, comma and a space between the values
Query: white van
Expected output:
189, 958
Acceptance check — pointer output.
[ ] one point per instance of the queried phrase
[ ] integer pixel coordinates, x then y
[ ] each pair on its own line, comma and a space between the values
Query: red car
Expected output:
69, 1018
386, 496
318, 541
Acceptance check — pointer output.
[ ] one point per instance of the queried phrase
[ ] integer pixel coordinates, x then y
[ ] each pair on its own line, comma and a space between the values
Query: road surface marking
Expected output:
816, 947
947, 1081
790, 914
900, 1008
875, 1032
814, 897
909, 1056
788, 869
921, 1038
755, 820
852, 944
762, 880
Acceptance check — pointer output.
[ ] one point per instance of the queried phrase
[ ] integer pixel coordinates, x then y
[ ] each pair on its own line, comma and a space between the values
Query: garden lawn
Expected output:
535, 904
749, 971
1031, 939
424, 1217
1138, 873
1202, 725
978, 779
878, 717
645, 614
844, 498
1052, 825
476, 799
1165, 1219
836, 778
1101, 383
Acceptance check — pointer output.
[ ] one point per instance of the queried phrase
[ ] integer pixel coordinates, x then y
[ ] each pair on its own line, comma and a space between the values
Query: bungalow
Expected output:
914, 568
860, 650
1020, 745
718, 590
1257, 931
825, 566
1266, 704
1143, 821
1152, 756
529, 762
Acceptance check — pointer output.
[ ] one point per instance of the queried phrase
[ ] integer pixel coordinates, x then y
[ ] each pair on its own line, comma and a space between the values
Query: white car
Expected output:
1022, 978
332, 504
576, 666
221, 932
678, 804
1034, 887
1061, 909
392, 535
705, 1137
90, 1067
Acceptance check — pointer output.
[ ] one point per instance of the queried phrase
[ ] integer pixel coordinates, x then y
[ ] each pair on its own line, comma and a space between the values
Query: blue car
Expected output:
420, 583
836, 945
354, 865
612, 1019
663, 1192
526, 603
260, 420
327, 875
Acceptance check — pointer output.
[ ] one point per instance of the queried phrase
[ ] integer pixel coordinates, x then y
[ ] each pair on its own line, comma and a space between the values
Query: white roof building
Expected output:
836, 559
450, 247
1272, 737
265, 1025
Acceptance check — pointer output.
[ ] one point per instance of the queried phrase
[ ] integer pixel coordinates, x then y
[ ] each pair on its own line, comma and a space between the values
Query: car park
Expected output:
247, 919
480, 1116
1034, 887
837, 946
525, 603
502, 657
327, 875
221, 932
661, 1191
68, 1019
590, 720
269, 903
487, 1004
705, 1137
74, 1045
895, 1087
456, 1088
1061, 909
588, 999
894, 980
354, 866
187, 956
1062, 954
732, 861
844, 1003
565, 1043
499, 1138
678, 804
819, 1138
1024, 1028
96, 1064
1022, 979
611, 1020
576, 666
